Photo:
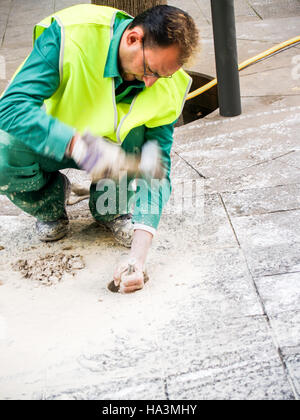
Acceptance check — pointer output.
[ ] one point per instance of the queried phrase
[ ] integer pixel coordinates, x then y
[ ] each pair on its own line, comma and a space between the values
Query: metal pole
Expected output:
226, 57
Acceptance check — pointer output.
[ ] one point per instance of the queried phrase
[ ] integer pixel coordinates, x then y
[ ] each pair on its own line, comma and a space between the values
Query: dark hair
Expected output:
167, 25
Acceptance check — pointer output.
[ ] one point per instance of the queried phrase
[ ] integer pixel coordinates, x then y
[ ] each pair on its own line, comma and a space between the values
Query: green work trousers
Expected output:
33, 182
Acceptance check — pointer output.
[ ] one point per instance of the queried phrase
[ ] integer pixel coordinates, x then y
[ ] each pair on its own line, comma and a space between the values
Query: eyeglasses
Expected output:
151, 74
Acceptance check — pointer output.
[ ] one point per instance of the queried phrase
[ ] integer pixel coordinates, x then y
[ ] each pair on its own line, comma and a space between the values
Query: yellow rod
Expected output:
245, 64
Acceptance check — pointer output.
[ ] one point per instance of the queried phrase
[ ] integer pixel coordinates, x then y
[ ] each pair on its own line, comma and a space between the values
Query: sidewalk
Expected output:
219, 318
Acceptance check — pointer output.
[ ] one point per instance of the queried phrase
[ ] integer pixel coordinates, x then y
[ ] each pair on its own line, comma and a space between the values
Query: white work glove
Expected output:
97, 156
151, 161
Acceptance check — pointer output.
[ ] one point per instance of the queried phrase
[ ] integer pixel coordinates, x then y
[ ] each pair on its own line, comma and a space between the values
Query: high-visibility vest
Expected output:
85, 99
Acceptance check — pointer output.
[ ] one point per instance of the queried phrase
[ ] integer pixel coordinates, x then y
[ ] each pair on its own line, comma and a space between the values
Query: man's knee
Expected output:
21, 178
18, 174
19, 170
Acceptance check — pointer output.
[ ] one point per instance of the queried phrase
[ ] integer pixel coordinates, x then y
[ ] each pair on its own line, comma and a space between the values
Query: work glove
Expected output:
97, 156
102, 159
151, 165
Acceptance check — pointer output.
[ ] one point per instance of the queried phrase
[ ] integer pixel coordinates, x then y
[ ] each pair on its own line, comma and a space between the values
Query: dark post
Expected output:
226, 57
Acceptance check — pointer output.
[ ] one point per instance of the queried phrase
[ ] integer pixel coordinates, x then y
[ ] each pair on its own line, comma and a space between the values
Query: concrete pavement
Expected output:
220, 316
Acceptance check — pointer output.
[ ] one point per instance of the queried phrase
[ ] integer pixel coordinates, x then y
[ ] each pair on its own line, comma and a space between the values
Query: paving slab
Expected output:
215, 289
262, 200
282, 60
274, 30
205, 9
21, 15
286, 329
270, 242
273, 8
62, 4
285, 326
181, 170
192, 7
123, 389
250, 178
265, 117
276, 259
101, 388
7, 208
17, 35
242, 9
247, 48
260, 84
207, 223
253, 381
243, 12
293, 363
3, 22
243, 148
267, 144
251, 104
17, 57
292, 159
265, 230
233, 359
5, 10
280, 293
19, 5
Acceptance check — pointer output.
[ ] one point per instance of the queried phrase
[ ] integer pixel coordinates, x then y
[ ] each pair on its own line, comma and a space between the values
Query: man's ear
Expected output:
135, 35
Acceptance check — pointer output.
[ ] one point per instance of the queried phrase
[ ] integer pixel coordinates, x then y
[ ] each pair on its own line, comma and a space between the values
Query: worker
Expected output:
96, 88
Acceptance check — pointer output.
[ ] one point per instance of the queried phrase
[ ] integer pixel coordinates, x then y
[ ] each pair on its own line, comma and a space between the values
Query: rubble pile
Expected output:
50, 268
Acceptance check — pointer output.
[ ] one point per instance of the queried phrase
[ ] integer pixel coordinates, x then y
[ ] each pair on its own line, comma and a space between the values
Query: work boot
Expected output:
121, 228
53, 231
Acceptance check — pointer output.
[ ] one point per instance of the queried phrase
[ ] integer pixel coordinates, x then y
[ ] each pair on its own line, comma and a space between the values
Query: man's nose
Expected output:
149, 81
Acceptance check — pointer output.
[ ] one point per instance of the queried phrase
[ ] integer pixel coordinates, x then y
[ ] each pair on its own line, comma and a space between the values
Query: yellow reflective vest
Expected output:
85, 99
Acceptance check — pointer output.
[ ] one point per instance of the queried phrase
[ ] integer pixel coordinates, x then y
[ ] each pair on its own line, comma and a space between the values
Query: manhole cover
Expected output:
201, 105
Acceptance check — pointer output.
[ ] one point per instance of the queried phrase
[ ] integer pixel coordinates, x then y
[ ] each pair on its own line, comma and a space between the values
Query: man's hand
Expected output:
129, 282
151, 161
100, 158
139, 249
